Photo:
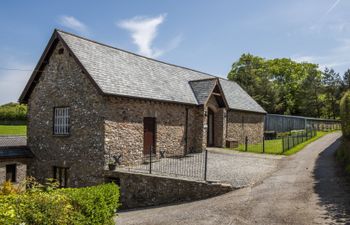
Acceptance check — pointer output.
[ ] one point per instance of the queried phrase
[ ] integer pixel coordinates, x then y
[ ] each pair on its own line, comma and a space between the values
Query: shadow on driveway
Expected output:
332, 186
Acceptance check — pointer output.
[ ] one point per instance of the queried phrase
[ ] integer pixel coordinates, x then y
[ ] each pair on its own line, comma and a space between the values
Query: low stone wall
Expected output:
141, 190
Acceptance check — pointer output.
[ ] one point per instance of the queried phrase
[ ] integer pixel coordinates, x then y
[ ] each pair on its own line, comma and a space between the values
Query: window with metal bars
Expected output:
61, 121
60, 174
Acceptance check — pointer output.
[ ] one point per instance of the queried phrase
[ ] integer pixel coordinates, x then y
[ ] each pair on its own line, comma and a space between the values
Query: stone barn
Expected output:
88, 102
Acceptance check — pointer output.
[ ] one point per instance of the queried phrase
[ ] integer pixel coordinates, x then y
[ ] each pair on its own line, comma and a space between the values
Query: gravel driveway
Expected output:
225, 166
240, 169
307, 189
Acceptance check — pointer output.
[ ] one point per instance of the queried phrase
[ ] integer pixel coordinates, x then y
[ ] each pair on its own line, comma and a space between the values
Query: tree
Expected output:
346, 79
284, 86
250, 72
332, 89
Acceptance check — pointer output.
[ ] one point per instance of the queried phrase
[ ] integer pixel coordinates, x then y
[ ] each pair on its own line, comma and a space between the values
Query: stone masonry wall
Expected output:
219, 128
63, 84
125, 133
241, 124
141, 190
21, 170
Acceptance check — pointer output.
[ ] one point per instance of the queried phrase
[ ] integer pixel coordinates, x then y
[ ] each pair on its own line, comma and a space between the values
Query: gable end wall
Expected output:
63, 83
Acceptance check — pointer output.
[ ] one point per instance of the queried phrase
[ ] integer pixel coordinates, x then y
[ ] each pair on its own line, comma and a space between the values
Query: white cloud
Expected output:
73, 23
333, 6
143, 32
337, 58
12, 82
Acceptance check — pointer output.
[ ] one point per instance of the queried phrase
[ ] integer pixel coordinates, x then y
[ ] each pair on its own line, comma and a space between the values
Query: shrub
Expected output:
345, 114
343, 155
83, 206
44, 208
93, 205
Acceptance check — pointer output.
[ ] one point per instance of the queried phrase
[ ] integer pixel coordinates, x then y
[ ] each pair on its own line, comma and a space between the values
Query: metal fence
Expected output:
278, 144
284, 123
192, 165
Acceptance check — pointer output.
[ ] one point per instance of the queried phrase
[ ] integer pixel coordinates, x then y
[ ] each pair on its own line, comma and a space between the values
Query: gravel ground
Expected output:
306, 189
240, 169
226, 166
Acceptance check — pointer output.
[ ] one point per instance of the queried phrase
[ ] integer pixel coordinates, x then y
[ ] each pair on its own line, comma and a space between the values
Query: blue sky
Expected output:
204, 35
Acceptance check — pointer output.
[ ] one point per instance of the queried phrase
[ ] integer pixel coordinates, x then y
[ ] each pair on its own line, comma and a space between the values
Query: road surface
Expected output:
308, 188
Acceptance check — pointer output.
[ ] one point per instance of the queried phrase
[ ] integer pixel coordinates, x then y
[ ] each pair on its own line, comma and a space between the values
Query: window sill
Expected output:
61, 135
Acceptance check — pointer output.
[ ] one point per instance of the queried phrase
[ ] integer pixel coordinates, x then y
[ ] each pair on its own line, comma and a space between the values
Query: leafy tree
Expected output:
284, 86
332, 89
347, 79
251, 73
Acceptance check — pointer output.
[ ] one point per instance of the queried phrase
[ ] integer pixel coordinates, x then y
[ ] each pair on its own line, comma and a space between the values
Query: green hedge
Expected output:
343, 155
13, 112
345, 114
83, 206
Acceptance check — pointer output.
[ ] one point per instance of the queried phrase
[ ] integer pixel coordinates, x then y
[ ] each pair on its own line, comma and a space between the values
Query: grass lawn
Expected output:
13, 130
275, 146
271, 147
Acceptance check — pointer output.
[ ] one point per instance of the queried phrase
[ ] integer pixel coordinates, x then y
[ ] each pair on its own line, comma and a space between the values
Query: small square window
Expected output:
60, 174
11, 173
61, 121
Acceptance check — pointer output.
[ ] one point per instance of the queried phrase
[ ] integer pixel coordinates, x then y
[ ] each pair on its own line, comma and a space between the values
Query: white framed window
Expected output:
61, 121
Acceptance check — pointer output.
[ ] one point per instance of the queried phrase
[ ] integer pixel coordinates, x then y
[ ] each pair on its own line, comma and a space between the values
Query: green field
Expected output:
275, 146
13, 130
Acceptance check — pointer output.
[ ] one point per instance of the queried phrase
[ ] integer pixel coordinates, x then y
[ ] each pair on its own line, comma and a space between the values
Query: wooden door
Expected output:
149, 138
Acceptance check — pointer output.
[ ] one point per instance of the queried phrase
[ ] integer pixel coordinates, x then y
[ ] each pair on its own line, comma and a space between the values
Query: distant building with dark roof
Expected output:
14, 157
88, 102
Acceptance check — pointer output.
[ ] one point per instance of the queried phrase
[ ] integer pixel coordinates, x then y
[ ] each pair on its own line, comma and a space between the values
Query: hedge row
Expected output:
343, 155
345, 114
90, 205
13, 112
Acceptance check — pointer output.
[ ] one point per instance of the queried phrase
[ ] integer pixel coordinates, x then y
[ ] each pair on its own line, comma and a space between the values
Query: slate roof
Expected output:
202, 89
14, 147
7, 141
121, 73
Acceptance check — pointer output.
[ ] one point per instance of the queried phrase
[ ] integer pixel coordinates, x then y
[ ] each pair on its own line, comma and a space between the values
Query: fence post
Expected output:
205, 165
282, 144
150, 159
246, 143
263, 144
288, 147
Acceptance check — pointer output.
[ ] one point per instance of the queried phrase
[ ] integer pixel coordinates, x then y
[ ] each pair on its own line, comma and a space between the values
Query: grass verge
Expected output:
275, 146
13, 130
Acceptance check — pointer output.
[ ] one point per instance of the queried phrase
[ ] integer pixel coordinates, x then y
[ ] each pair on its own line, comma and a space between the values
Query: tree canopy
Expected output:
283, 86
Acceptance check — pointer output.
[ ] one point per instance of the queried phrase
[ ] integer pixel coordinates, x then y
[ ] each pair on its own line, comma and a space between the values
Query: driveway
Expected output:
307, 188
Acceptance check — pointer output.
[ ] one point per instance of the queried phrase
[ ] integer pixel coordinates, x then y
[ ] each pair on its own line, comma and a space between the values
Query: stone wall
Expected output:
141, 190
21, 170
241, 124
124, 131
63, 83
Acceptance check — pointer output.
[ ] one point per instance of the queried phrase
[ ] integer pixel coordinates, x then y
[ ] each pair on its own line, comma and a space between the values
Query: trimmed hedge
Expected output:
345, 114
81, 206
13, 112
